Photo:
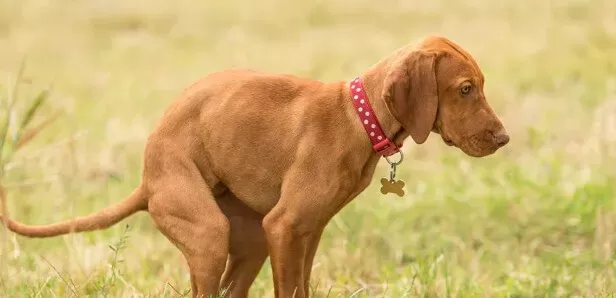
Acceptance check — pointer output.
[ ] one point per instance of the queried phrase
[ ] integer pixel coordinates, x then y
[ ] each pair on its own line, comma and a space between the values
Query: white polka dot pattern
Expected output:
380, 142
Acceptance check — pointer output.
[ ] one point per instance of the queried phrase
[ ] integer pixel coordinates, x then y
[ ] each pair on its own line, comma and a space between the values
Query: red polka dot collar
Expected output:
380, 142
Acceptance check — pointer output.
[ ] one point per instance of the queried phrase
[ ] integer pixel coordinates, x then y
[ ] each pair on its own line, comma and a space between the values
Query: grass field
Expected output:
537, 219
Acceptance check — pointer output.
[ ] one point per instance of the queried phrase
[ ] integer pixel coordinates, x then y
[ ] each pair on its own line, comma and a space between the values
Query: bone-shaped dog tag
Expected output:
392, 185
395, 187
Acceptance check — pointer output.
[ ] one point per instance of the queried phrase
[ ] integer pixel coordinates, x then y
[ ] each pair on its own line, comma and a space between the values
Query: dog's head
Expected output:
437, 86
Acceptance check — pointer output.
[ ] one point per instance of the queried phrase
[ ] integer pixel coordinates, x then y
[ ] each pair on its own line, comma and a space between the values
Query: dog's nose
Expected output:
501, 138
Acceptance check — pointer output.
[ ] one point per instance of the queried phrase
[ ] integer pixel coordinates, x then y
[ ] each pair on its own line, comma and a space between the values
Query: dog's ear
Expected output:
410, 93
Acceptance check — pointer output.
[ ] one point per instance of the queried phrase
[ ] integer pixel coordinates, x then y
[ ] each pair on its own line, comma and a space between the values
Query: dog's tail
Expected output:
102, 219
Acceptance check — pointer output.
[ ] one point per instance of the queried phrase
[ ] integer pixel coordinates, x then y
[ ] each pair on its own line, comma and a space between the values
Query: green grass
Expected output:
537, 219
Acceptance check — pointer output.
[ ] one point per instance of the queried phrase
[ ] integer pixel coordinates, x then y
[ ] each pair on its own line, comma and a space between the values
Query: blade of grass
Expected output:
28, 136
4, 132
4, 231
174, 289
69, 283
12, 98
42, 287
20, 73
31, 133
36, 104
18, 131
3, 202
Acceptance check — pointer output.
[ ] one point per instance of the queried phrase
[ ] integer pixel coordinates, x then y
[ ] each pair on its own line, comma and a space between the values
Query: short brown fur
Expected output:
246, 164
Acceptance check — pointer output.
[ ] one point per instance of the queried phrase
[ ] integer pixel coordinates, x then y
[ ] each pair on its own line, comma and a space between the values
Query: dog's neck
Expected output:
373, 80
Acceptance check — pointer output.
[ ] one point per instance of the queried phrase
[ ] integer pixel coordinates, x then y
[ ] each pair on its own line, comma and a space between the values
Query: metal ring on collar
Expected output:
397, 162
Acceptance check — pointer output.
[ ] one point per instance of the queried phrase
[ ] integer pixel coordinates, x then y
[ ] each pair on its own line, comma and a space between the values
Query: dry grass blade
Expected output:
3, 134
36, 104
15, 89
70, 285
12, 98
174, 289
3, 202
4, 223
40, 290
29, 115
33, 132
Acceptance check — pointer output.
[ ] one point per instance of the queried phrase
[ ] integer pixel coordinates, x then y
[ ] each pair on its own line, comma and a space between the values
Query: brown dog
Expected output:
248, 164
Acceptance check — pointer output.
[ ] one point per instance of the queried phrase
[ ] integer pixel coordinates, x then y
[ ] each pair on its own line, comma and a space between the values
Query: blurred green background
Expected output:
537, 219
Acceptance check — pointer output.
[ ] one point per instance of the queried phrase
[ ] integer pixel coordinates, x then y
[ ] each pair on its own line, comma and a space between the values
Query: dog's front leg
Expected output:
313, 244
287, 241
310, 197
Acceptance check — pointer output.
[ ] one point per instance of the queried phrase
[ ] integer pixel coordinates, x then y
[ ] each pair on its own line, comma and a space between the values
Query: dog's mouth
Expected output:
476, 146
447, 140
473, 145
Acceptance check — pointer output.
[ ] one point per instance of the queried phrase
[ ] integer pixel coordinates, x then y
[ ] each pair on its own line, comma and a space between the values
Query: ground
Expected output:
538, 218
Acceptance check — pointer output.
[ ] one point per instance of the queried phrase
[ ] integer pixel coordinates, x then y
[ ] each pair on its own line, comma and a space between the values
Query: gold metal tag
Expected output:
395, 187
391, 185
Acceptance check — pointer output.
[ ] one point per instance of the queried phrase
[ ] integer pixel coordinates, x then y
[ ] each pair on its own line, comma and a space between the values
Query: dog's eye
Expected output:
465, 89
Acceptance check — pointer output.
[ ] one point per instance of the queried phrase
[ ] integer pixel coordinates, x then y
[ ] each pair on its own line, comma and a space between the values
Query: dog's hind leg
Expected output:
185, 211
244, 263
248, 247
